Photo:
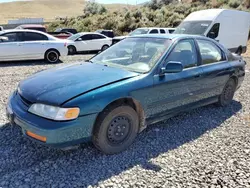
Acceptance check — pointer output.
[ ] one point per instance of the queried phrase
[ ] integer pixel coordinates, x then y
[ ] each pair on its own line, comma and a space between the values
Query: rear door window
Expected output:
96, 36
86, 37
154, 31
162, 31
210, 53
29, 36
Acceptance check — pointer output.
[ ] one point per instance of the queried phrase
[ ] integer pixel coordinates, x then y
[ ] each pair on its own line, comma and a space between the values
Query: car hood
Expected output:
58, 85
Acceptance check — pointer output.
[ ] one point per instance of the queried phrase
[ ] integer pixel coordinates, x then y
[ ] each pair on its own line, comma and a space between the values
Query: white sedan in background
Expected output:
16, 45
88, 42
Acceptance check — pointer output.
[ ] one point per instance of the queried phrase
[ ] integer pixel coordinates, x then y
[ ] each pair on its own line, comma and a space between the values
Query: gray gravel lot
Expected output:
208, 147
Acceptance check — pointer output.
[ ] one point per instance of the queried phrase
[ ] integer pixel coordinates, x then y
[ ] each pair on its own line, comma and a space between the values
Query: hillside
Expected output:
47, 9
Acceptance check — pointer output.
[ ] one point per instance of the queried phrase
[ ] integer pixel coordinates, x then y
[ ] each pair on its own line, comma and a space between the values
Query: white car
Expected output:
145, 30
17, 45
89, 42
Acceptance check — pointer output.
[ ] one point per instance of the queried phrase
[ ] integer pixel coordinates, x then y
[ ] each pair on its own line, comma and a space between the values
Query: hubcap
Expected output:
52, 56
118, 130
104, 48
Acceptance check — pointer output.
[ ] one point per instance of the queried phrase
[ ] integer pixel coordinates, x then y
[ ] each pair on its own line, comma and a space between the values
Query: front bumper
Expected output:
58, 134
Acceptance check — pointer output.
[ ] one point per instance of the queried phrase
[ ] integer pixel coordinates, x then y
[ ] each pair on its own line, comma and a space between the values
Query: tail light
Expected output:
65, 44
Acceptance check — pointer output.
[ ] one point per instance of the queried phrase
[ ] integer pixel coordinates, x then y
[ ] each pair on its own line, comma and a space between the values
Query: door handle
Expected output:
19, 44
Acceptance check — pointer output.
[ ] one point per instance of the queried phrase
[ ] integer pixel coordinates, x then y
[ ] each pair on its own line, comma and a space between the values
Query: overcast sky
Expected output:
133, 2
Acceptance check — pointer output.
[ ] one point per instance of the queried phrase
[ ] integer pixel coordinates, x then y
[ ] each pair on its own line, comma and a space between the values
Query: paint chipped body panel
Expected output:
92, 87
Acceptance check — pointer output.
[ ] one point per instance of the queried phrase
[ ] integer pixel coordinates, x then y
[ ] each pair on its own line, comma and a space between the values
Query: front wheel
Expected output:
71, 50
52, 56
227, 94
116, 129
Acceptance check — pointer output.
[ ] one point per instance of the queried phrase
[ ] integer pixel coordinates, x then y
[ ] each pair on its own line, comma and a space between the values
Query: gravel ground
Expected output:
208, 147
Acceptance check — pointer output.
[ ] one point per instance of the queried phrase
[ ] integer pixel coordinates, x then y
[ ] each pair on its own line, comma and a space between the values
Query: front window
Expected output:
11, 37
193, 27
184, 52
139, 32
134, 54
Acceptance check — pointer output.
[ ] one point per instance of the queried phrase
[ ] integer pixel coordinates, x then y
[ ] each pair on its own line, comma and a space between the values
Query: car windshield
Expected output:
74, 37
193, 27
139, 32
134, 54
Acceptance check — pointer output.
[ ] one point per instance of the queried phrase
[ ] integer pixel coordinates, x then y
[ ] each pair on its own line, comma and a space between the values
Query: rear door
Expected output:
216, 68
10, 48
34, 45
98, 41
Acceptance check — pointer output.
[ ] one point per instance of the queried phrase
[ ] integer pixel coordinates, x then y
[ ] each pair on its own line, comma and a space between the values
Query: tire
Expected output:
52, 56
115, 130
105, 47
72, 50
227, 94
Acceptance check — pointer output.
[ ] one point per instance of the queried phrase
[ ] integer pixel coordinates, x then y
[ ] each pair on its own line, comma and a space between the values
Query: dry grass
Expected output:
47, 9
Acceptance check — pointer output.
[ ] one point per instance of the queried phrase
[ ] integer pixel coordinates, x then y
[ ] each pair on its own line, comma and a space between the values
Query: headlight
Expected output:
54, 113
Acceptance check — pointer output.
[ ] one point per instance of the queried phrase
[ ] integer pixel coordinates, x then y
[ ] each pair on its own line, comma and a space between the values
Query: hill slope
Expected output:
47, 9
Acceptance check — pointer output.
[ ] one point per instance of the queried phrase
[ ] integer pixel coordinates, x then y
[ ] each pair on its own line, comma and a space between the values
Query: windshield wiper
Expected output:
89, 61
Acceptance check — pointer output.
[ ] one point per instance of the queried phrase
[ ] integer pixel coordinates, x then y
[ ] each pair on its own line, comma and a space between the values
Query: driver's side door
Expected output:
172, 91
84, 43
10, 46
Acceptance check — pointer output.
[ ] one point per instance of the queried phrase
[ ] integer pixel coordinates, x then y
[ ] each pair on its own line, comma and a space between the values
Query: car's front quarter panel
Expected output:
96, 100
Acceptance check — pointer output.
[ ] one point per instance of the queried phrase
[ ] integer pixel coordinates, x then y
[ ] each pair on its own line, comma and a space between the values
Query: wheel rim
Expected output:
71, 50
119, 130
228, 93
104, 48
52, 56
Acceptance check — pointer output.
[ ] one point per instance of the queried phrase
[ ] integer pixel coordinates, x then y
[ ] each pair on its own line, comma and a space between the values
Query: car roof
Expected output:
168, 36
21, 30
32, 25
26, 30
155, 28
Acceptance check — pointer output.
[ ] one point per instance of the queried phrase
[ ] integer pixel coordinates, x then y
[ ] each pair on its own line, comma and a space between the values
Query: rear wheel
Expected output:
105, 47
116, 129
52, 56
227, 94
72, 50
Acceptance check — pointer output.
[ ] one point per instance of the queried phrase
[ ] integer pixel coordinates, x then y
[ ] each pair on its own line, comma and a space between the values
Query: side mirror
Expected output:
211, 35
79, 39
172, 67
3, 39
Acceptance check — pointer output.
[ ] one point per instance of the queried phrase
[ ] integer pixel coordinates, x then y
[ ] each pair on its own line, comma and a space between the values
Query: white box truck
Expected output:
229, 27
